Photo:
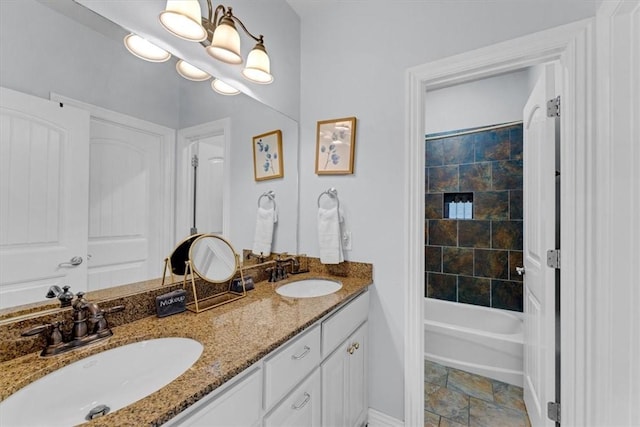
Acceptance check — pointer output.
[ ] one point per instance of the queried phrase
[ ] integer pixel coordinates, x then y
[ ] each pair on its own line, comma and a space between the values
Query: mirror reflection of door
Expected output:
210, 173
130, 200
210, 143
43, 197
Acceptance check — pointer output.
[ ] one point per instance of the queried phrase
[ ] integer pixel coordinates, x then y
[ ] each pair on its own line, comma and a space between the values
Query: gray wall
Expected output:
354, 58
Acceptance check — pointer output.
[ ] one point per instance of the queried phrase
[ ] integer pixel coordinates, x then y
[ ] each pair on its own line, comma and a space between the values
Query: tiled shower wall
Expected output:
473, 260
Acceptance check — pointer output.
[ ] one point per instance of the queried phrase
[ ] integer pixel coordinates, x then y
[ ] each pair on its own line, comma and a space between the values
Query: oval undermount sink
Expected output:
114, 378
309, 288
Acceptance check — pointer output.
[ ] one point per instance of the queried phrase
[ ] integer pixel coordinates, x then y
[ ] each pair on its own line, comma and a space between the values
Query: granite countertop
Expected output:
234, 336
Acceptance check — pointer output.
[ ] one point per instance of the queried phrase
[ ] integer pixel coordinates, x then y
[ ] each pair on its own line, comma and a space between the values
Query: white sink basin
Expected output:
309, 288
115, 378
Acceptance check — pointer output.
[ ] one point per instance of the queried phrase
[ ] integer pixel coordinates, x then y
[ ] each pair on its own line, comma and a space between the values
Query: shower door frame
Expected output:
571, 45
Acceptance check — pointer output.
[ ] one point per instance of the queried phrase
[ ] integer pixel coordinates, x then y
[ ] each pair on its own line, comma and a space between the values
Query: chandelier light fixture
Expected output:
218, 34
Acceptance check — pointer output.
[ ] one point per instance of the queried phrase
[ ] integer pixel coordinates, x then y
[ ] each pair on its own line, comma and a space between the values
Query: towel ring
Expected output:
271, 195
333, 194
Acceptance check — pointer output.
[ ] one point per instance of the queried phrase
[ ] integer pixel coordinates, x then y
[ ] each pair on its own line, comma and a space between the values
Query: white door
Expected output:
210, 142
126, 204
539, 236
131, 196
43, 197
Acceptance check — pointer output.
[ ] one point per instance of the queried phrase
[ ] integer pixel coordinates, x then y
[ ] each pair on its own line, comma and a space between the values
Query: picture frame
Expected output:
335, 146
267, 156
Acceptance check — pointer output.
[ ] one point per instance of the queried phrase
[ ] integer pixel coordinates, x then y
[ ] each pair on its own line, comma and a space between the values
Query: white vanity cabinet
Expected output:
344, 369
344, 382
317, 378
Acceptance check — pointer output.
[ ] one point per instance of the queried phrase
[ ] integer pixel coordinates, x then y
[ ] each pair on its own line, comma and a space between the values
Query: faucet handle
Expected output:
36, 330
114, 309
55, 335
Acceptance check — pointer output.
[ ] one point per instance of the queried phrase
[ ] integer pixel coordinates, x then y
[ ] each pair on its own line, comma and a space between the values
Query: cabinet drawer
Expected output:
290, 364
300, 408
339, 326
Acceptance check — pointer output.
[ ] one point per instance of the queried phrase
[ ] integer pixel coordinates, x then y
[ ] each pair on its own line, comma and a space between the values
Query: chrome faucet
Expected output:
89, 326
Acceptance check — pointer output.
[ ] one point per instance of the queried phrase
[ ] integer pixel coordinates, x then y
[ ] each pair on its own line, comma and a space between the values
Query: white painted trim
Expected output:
379, 419
571, 45
185, 136
614, 375
167, 137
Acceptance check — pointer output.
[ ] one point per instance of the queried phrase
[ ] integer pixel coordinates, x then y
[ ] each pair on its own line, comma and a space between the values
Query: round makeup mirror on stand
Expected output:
212, 259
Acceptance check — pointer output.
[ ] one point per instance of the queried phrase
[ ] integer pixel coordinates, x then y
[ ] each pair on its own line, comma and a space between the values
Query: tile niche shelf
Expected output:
457, 206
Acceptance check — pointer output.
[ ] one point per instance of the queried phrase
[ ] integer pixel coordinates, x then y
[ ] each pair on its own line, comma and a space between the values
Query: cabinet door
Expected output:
237, 406
301, 408
344, 391
357, 378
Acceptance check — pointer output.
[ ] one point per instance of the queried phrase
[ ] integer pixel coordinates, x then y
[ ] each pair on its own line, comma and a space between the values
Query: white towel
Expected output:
265, 219
329, 236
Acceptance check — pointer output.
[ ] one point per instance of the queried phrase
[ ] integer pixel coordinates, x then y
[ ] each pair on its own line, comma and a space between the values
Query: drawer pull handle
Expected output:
307, 396
351, 349
357, 345
306, 351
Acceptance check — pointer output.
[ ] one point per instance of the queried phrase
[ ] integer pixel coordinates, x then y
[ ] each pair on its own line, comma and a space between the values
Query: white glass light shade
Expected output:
223, 88
258, 69
191, 72
183, 19
225, 44
144, 49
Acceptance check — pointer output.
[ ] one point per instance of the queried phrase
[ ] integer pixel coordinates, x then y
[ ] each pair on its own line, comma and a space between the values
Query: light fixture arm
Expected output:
214, 18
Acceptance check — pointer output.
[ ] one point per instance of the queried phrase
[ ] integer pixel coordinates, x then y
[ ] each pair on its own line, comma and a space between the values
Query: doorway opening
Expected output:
569, 46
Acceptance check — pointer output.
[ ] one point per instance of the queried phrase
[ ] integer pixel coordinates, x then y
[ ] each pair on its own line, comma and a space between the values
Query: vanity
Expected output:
267, 359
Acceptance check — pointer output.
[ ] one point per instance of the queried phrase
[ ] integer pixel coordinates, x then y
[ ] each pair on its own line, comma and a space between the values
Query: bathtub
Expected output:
484, 341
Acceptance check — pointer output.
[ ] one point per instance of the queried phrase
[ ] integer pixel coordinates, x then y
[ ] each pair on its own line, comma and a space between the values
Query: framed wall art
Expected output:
267, 156
335, 145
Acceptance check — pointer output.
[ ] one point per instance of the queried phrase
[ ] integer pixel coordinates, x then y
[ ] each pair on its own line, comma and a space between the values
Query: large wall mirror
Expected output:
139, 200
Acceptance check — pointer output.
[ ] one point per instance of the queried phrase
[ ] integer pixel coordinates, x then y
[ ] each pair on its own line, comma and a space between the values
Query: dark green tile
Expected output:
441, 286
474, 290
492, 145
457, 261
474, 234
443, 179
506, 295
515, 139
515, 260
434, 154
433, 258
458, 150
491, 205
433, 206
506, 235
443, 232
507, 175
475, 177
491, 263
515, 204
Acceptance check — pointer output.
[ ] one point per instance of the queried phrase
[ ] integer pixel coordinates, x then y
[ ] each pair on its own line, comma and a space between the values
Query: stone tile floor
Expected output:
455, 398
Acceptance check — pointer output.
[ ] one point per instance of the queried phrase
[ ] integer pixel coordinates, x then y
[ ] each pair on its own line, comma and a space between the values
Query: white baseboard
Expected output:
379, 419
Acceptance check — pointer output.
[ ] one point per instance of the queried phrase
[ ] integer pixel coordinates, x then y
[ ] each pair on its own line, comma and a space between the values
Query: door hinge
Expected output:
553, 107
553, 411
553, 258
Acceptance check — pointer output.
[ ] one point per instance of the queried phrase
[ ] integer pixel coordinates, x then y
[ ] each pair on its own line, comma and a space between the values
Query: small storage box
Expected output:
171, 303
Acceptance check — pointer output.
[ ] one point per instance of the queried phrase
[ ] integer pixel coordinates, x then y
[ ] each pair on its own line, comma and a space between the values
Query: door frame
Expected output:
185, 136
167, 137
572, 46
